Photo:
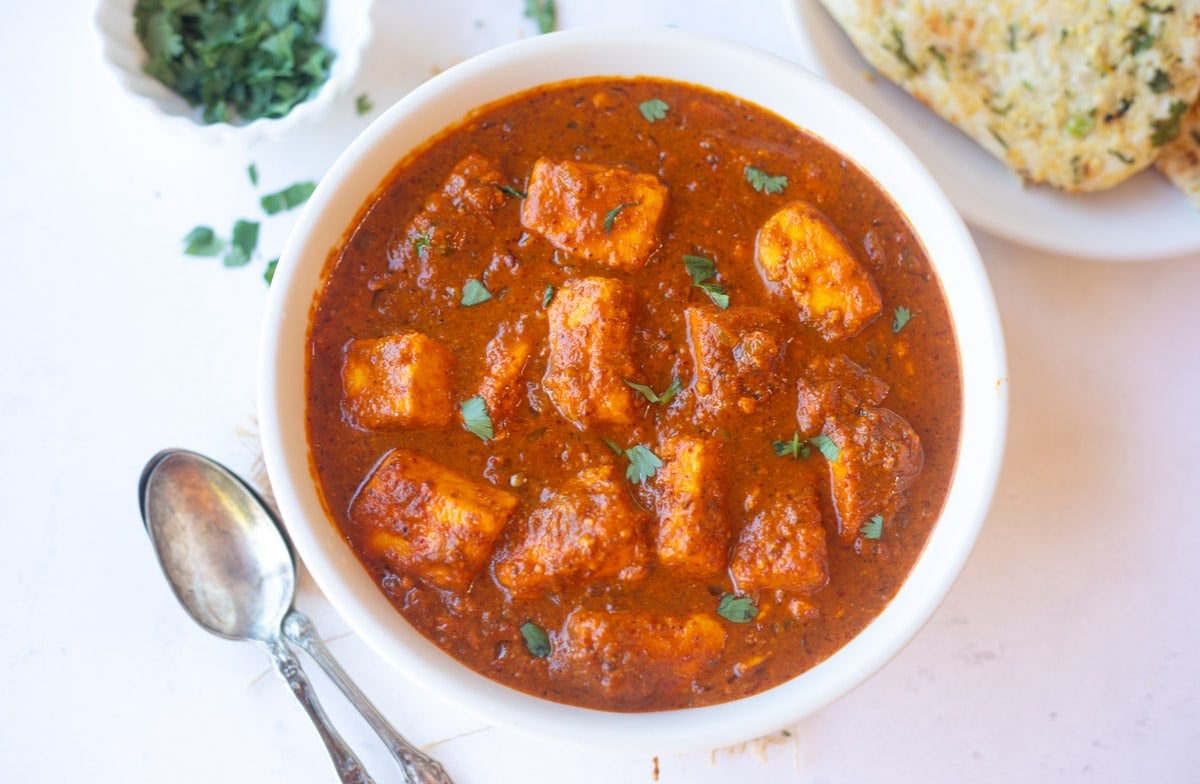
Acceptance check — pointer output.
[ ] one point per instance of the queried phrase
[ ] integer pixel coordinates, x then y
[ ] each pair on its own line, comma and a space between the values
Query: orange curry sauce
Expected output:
549, 525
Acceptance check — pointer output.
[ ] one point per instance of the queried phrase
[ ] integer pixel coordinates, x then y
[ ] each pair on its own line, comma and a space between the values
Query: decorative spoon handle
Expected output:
418, 768
349, 769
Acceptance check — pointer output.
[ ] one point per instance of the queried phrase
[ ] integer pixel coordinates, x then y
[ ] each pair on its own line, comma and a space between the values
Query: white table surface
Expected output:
1069, 649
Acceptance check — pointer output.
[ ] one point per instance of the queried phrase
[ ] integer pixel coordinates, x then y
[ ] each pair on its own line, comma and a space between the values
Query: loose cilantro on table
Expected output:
362, 104
269, 272
701, 269
474, 292
476, 418
544, 13
242, 244
240, 61
765, 183
291, 196
536, 639
738, 609
252, 173
653, 109
203, 241
654, 397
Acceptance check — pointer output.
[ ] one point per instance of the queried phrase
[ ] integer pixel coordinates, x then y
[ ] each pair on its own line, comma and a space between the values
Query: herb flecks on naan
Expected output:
1077, 94
1179, 160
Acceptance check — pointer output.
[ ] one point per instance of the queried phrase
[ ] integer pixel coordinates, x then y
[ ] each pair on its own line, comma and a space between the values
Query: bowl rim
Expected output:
780, 86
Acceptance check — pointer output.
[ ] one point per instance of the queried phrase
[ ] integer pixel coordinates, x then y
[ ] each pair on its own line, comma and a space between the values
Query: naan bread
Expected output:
1180, 160
1079, 94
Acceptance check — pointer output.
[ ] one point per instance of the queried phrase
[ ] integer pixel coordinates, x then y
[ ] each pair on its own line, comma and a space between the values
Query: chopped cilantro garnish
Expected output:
826, 446
269, 272
547, 296
996, 135
509, 190
536, 639
643, 463
1012, 38
544, 13
901, 317
901, 53
738, 609
475, 417
611, 216
291, 196
943, 66
655, 397
765, 183
795, 447
1161, 82
1122, 157
1140, 39
701, 269
242, 244
653, 109
474, 292
1167, 128
422, 241
362, 104
873, 528
252, 173
238, 60
203, 241
1078, 125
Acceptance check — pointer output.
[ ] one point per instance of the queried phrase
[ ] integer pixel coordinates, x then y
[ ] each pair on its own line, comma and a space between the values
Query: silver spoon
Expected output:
231, 567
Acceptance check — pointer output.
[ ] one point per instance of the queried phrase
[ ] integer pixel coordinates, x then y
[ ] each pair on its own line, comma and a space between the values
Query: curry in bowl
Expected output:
632, 395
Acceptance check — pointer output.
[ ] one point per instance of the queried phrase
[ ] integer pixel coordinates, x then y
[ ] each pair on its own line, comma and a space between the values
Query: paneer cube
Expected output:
879, 456
586, 531
834, 386
427, 521
736, 354
802, 251
591, 341
783, 546
399, 380
631, 657
693, 530
603, 214
507, 354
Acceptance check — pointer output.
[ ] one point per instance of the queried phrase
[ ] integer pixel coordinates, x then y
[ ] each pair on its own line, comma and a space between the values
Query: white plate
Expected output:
1142, 219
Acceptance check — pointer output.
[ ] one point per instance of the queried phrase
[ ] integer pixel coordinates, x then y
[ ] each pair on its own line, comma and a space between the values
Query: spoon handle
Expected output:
418, 768
349, 769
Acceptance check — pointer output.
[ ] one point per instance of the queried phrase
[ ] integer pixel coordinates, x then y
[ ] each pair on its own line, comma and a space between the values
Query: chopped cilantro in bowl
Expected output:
235, 70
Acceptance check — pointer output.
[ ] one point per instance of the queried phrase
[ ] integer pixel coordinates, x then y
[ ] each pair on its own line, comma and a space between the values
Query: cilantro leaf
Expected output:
794, 448
252, 173
763, 182
476, 418
547, 296
474, 292
269, 272
701, 269
203, 241
242, 244
544, 13
643, 463
902, 317
873, 528
536, 639
613, 446
738, 609
1167, 128
826, 446
611, 215
362, 104
654, 397
421, 241
509, 190
653, 109
1161, 82
291, 196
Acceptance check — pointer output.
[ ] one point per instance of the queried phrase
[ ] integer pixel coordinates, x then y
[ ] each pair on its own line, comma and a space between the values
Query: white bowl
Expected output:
345, 30
769, 82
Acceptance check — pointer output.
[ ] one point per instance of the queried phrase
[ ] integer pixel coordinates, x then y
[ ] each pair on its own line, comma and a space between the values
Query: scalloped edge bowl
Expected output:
768, 81
346, 30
